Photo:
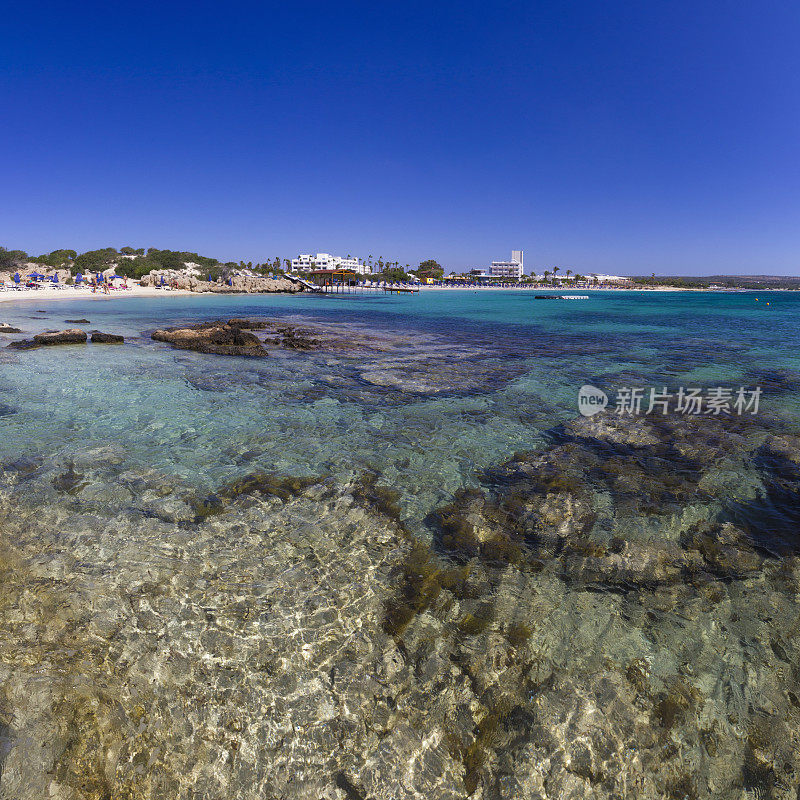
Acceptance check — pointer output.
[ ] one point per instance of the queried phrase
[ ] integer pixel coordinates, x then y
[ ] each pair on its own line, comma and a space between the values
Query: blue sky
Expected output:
623, 137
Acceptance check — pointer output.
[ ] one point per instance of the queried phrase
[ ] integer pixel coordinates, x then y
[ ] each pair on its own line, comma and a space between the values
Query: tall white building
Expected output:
308, 262
512, 269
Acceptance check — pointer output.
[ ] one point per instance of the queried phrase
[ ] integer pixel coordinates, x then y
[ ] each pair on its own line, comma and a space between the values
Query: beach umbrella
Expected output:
79, 277
36, 275
54, 278
16, 277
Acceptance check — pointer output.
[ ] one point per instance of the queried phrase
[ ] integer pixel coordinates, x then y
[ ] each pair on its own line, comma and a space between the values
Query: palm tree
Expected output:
569, 272
555, 270
546, 275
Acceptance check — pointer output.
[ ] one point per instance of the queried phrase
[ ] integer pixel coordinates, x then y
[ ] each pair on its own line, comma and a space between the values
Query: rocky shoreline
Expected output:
237, 284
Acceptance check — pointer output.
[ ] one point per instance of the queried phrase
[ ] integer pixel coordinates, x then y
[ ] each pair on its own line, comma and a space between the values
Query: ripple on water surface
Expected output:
305, 575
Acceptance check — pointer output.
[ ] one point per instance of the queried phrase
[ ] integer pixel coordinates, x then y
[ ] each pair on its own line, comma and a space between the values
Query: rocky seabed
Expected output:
604, 618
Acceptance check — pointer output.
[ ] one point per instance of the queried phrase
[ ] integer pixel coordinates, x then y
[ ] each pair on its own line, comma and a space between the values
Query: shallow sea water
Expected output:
471, 591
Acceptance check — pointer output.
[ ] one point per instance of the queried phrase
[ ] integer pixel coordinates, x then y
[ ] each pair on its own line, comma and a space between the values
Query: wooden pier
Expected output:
342, 281
357, 288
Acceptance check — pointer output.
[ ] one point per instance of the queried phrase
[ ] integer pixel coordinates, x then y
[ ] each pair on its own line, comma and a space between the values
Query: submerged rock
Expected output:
72, 336
69, 481
98, 337
296, 338
216, 338
6, 328
49, 338
252, 324
572, 629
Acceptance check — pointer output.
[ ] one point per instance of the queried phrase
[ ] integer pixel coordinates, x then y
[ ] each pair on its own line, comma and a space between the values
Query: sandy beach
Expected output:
46, 293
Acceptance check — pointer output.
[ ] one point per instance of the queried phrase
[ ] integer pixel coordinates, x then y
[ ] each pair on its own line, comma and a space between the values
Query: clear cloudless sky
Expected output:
621, 136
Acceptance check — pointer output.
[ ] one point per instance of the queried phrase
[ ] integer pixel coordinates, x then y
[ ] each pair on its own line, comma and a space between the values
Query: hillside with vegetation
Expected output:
130, 262
725, 281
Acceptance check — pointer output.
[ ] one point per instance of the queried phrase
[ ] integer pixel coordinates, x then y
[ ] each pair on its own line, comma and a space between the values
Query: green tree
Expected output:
58, 258
11, 259
430, 269
137, 267
95, 260
392, 274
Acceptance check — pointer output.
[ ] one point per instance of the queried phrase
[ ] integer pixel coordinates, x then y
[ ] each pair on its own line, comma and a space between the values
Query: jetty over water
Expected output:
359, 288
346, 281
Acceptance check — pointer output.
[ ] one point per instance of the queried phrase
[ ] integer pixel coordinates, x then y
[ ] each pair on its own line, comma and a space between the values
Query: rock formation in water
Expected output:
98, 337
49, 338
218, 338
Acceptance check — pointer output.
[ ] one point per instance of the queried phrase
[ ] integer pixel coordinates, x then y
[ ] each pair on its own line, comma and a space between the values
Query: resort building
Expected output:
308, 263
512, 269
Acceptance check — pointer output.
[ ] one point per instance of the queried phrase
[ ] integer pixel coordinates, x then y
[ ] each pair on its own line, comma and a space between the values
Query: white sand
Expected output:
47, 293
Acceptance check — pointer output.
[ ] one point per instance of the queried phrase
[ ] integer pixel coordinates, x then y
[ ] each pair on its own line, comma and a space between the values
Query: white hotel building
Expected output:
308, 262
512, 270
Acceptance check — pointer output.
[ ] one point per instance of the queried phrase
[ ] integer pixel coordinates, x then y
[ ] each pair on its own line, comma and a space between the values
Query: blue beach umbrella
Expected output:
79, 277
54, 278
36, 275
16, 277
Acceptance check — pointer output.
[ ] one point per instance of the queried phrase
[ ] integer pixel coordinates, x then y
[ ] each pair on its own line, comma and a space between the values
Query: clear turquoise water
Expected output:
206, 419
611, 614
